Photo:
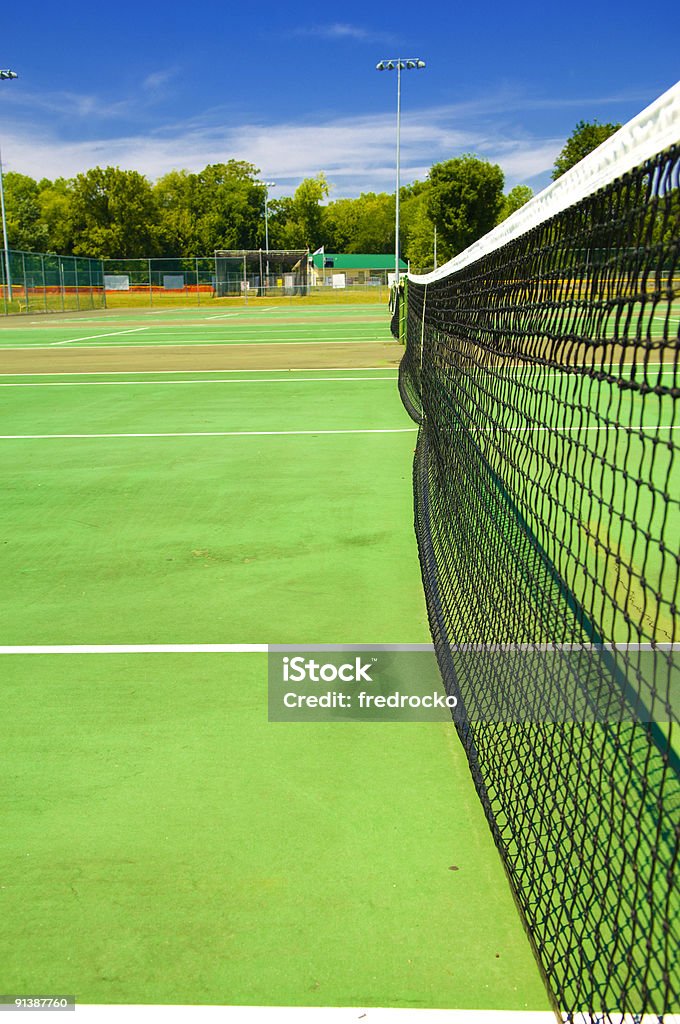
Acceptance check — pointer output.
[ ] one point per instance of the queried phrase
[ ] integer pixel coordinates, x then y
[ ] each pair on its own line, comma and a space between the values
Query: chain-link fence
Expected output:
160, 281
227, 274
281, 275
32, 282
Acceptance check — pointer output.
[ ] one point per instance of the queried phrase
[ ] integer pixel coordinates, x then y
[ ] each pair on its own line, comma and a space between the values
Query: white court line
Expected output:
160, 383
632, 428
320, 648
51, 324
242, 369
146, 373
240, 312
211, 433
255, 328
202, 341
112, 334
111, 1014
573, 372
135, 649
244, 341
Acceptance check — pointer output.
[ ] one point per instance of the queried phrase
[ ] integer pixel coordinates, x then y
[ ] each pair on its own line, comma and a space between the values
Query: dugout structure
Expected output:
261, 272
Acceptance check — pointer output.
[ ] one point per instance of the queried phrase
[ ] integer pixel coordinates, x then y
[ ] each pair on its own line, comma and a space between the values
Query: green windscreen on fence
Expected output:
32, 282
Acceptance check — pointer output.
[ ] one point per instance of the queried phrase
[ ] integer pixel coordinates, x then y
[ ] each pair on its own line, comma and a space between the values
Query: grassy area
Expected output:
316, 296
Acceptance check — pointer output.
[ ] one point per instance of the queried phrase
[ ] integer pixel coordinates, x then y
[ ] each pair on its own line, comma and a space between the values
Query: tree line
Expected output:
109, 212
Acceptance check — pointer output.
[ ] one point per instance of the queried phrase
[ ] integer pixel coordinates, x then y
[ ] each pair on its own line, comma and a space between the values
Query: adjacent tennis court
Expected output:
181, 491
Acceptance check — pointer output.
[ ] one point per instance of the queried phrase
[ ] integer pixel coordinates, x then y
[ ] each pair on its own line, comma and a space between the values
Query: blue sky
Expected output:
293, 88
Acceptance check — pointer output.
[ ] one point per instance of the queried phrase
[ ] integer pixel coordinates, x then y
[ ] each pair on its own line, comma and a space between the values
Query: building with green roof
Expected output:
340, 270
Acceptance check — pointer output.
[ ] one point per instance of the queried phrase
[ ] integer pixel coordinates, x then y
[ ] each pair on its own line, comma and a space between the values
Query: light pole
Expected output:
3, 76
267, 186
400, 64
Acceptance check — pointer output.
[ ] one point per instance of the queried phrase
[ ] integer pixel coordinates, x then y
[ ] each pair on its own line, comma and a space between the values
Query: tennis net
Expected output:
542, 368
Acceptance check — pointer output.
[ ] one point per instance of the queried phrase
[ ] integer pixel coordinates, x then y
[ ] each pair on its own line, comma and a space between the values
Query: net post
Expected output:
422, 330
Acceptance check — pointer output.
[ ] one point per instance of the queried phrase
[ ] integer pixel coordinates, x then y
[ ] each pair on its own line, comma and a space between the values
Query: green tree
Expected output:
229, 207
178, 209
586, 136
25, 227
55, 199
280, 215
363, 225
418, 230
114, 214
305, 228
516, 197
464, 200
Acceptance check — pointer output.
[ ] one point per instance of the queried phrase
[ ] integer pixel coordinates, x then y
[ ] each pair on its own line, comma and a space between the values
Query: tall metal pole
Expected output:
267, 186
5, 74
5, 242
266, 228
396, 239
400, 64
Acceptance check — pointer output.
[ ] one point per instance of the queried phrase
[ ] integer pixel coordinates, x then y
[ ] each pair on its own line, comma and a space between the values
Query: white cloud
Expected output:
356, 153
522, 161
64, 104
341, 30
157, 79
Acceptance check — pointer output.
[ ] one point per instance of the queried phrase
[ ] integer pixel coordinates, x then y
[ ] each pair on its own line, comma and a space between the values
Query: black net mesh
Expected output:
544, 377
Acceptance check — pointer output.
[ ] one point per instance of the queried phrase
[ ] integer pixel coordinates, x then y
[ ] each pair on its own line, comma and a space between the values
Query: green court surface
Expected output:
164, 842
276, 326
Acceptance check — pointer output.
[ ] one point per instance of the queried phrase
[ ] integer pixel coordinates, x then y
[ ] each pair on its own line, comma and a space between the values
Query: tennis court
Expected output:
180, 492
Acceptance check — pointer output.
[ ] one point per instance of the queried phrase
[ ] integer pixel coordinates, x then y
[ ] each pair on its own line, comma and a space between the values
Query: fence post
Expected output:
23, 265
4, 283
